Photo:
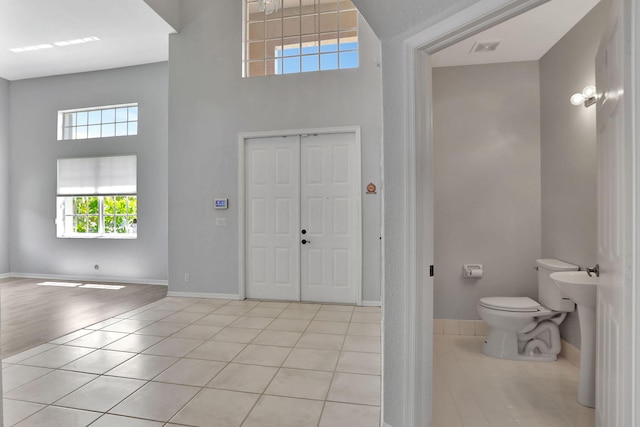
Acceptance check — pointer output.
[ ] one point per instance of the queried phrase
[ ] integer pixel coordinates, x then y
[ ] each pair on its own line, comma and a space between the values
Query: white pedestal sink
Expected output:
582, 289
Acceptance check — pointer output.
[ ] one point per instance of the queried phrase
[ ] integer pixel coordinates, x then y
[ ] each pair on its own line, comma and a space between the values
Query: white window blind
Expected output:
97, 175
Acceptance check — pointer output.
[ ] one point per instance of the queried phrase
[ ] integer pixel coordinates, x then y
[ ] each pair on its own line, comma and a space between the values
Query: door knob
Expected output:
305, 241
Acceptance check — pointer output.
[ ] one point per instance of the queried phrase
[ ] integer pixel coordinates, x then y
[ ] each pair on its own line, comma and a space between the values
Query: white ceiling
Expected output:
526, 37
130, 33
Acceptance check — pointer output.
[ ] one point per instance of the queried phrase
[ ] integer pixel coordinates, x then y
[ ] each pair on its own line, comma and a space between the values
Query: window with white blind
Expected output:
301, 36
98, 122
97, 197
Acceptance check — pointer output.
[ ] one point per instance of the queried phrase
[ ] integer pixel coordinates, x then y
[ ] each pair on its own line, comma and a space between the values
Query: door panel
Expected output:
330, 214
308, 183
614, 361
273, 212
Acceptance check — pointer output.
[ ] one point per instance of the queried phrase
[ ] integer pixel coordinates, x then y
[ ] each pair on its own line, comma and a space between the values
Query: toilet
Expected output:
521, 328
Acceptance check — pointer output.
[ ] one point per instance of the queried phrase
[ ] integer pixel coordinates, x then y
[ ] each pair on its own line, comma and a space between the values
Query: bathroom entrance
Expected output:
548, 176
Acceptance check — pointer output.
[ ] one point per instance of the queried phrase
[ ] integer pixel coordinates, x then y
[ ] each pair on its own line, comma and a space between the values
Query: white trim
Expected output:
419, 140
242, 138
242, 286
204, 295
634, 94
109, 279
371, 304
5, 276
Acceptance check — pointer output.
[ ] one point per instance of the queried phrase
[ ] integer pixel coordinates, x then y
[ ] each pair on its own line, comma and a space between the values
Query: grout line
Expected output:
145, 382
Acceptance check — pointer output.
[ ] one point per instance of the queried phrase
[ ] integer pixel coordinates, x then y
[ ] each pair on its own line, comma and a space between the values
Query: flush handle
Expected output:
595, 270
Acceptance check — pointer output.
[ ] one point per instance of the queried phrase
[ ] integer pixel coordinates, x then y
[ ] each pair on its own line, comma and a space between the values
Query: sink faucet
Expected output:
595, 270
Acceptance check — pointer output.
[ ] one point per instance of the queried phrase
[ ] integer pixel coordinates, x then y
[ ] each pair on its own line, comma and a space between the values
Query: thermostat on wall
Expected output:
222, 203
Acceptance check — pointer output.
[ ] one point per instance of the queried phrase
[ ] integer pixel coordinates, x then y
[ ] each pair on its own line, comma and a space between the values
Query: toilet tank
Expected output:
549, 294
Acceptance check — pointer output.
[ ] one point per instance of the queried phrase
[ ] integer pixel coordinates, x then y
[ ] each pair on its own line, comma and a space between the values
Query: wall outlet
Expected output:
186, 277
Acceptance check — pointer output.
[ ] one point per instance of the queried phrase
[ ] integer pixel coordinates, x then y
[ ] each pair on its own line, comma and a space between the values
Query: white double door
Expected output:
302, 218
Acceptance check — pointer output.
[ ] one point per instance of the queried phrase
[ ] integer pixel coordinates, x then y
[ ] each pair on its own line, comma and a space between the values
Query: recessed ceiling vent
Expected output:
481, 47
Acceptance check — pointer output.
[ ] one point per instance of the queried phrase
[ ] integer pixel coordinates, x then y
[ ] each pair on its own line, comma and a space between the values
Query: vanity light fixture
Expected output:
268, 6
587, 97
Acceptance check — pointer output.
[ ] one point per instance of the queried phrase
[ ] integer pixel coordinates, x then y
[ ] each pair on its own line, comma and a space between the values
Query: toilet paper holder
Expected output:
472, 270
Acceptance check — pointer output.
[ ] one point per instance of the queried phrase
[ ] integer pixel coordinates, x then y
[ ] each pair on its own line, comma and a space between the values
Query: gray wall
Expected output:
4, 176
210, 103
486, 183
34, 105
390, 18
568, 150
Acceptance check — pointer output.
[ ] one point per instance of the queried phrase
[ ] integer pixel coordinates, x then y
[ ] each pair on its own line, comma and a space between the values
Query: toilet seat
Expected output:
514, 304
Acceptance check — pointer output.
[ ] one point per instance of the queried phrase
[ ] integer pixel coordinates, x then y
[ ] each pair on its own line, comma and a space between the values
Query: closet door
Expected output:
272, 220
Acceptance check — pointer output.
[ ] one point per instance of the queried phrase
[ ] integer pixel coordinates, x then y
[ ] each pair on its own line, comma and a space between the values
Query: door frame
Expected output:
242, 139
418, 127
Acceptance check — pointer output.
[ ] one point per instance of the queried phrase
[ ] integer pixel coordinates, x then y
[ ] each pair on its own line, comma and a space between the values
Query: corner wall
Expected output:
34, 104
210, 103
568, 151
4, 177
486, 121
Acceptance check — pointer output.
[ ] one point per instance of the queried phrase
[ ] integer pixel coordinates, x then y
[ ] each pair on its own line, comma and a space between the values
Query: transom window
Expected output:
98, 122
97, 197
303, 36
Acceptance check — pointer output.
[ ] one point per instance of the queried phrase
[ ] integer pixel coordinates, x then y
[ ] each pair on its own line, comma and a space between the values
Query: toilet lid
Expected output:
524, 304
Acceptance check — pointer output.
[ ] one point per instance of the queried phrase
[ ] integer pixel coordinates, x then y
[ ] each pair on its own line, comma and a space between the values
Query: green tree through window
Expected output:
104, 214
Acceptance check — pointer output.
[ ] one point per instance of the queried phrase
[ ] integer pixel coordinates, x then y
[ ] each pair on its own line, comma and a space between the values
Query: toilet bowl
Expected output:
521, 328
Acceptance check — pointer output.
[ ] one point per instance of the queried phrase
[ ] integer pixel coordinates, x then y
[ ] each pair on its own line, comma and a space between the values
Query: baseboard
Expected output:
479, 328
571, 353
371, 304
90, 279
5, 276
469, 328
203, 295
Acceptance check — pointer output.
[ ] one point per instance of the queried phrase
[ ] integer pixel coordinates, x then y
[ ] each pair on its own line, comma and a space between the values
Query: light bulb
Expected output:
577, 99
589, 91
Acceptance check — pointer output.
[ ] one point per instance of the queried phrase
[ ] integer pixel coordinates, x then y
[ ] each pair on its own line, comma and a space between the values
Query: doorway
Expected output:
302, 216
419, 145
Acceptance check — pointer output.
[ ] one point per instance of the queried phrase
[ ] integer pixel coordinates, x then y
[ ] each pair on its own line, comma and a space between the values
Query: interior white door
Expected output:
302, 218
615, 361
272, 218
330, 215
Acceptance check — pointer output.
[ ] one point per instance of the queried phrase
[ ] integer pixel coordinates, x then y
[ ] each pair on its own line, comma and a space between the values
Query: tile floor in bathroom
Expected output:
204, 362
474, 390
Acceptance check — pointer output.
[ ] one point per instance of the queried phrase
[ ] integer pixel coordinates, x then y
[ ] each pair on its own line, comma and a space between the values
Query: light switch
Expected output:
221, 222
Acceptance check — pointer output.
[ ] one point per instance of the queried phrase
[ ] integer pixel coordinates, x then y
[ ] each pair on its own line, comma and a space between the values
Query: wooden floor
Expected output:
33, 315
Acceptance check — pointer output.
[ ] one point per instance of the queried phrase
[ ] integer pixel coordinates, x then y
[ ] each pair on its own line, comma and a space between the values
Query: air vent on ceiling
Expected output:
480, 47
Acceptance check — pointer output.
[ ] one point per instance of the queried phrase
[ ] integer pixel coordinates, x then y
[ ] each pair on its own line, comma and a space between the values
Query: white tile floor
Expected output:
474, 390
203, 362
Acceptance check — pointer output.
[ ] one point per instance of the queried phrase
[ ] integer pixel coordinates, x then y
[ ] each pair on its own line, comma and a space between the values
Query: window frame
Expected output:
66, 220
266, 35
71, 127
101, 182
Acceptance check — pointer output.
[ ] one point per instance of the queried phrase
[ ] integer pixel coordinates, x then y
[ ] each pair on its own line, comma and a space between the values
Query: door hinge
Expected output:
431, 271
